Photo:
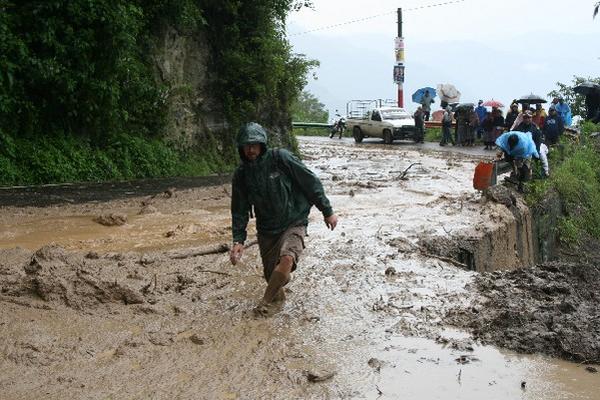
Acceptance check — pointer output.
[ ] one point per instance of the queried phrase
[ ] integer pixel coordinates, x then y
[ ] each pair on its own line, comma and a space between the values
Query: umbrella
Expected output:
465, 105
448, 93
531, 99
418, 95
493, 103
586, 88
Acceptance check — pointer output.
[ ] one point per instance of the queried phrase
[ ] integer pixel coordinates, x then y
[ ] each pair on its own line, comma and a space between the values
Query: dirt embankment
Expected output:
550, 309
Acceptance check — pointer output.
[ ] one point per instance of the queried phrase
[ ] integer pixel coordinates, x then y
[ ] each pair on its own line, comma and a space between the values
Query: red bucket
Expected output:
484, 173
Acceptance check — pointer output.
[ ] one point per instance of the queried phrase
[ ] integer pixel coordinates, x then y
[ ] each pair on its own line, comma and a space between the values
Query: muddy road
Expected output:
136, 309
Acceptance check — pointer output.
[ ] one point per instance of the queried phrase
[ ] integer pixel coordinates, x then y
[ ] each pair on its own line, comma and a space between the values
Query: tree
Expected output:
574, 100
596, 8
309, 109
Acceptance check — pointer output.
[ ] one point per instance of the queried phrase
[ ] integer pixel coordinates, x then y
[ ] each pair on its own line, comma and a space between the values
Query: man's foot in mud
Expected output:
280, 296
266, 310
276, 283
262, 310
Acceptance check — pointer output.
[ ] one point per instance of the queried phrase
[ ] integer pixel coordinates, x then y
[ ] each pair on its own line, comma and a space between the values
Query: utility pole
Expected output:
399, 67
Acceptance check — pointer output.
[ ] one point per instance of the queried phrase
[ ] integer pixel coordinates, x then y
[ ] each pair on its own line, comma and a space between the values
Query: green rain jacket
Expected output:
277, 185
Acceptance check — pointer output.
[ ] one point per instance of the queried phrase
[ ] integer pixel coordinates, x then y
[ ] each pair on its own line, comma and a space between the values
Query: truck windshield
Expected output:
395, 115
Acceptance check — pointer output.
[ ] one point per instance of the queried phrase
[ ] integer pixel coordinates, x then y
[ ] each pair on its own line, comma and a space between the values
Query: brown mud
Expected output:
151, 308
550, 309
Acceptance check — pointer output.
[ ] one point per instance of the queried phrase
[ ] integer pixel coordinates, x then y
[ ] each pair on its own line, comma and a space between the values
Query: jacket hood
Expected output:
251, 133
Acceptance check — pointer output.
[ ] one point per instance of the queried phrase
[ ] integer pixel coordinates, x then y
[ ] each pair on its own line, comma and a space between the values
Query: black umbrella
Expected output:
531, 99
465, 105
586, 88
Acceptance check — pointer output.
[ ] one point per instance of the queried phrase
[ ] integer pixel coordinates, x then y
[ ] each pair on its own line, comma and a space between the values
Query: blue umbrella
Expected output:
418, 95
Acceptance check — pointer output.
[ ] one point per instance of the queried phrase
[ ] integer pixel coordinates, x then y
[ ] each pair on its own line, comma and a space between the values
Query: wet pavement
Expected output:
365, 309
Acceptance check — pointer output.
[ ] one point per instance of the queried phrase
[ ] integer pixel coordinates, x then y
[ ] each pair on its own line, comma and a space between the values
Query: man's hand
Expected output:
331, 221
236, 253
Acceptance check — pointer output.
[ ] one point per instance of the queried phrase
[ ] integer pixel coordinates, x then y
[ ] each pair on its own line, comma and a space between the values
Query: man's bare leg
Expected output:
279, 278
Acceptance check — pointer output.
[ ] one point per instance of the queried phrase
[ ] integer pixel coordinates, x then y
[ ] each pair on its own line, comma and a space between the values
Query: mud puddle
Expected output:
365, 315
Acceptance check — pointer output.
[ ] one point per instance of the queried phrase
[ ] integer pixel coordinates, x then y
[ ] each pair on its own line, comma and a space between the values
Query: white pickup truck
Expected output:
388, 123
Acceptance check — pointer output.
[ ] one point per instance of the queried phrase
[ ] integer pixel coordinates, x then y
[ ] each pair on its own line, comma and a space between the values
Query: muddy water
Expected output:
193, 334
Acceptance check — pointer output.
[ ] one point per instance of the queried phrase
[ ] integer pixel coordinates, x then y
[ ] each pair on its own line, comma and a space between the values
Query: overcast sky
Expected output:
487, 49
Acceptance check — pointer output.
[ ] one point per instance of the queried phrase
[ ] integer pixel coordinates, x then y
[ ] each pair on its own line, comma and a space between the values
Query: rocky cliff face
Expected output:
181, 64
195, 112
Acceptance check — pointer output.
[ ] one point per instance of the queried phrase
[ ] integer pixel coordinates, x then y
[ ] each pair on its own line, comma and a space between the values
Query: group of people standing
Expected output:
531, 131
530, 134
474, 123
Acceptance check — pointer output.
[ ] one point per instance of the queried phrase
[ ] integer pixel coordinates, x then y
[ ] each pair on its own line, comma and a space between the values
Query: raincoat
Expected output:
536, 134
482, 112
525, 148
277, 185
565, 112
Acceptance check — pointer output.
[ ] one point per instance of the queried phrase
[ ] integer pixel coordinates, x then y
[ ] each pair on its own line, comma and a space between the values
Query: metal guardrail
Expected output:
307, 125
437, 124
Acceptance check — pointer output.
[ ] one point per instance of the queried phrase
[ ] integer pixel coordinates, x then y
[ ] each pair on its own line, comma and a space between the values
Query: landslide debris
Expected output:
551, 309
54, 275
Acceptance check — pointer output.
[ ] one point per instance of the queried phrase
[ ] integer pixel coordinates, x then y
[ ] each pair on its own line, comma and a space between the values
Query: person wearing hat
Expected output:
536, 135
511, 116
280, 190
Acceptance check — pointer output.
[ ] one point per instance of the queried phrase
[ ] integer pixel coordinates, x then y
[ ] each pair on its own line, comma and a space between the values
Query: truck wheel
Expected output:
358, 135
387, 137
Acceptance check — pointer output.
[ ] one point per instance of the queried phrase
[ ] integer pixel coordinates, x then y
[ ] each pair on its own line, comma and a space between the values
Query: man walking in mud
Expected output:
280, 190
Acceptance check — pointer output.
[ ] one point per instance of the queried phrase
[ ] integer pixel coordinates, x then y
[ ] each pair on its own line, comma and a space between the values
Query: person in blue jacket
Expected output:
563, 110
517, 148
482, 112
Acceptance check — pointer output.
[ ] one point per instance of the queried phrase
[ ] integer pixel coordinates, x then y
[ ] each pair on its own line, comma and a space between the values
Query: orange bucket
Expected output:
484, 173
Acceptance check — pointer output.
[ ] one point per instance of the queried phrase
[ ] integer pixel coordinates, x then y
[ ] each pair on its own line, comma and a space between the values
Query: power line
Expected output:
376, 16
342, 23
433, 5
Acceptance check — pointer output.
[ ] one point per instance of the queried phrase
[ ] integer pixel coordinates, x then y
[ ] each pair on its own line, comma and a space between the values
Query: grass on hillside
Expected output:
575, 176
66, 158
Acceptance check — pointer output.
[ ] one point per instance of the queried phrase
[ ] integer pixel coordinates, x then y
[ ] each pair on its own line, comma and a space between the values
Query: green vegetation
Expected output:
576, 178
67, 158
433, 134
307, 108
79, 97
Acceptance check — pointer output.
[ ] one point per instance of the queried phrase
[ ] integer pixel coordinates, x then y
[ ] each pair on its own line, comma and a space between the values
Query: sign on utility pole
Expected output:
399, 67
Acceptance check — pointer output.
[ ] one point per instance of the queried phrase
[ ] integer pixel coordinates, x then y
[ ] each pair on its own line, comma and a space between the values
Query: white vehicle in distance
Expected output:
386, 122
